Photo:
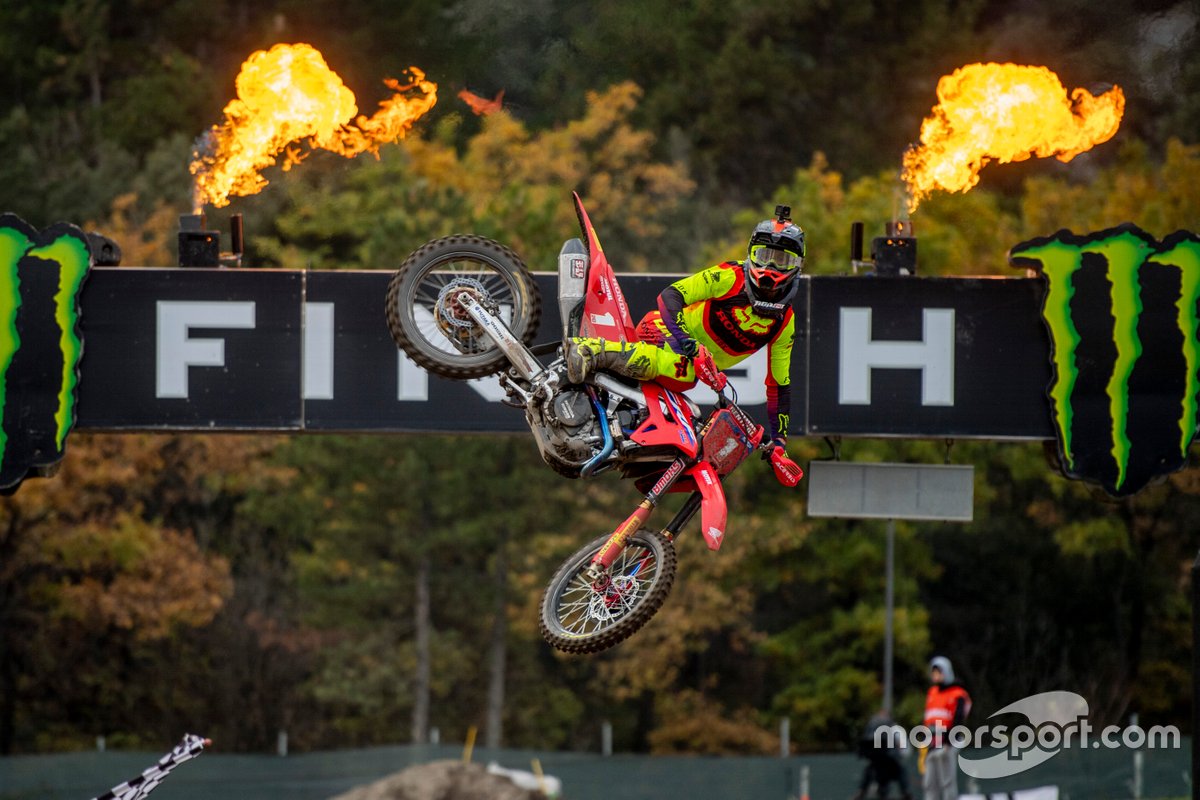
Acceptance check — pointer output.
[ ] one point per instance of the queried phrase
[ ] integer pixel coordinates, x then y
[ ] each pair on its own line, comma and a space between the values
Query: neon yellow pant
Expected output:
642, 360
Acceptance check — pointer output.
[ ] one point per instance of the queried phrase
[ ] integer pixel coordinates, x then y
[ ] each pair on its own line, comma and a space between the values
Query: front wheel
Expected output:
430, 326
580, 615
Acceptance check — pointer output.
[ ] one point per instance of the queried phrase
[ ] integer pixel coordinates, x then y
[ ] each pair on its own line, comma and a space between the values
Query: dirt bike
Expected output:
465, 307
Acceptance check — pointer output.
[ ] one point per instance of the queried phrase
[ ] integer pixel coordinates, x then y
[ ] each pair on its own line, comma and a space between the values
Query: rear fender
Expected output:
713, 510
605, 312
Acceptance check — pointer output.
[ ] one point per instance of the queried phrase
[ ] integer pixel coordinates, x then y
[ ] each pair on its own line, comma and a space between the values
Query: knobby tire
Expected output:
450, 253
570, 576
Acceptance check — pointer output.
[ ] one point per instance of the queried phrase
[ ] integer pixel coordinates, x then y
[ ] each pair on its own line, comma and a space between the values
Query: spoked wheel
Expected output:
426, 320
580, 615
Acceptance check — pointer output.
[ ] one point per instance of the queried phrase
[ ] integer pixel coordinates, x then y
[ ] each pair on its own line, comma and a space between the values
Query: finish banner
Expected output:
221, 349
1100, 351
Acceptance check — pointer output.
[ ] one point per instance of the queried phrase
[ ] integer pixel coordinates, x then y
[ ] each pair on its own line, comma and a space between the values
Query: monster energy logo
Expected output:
41, 275
1121, 309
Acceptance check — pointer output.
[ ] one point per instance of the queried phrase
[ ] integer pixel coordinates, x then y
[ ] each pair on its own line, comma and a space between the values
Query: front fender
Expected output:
713, 510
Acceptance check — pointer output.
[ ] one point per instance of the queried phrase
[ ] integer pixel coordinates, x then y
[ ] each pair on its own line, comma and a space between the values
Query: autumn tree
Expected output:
509, 184
103, 565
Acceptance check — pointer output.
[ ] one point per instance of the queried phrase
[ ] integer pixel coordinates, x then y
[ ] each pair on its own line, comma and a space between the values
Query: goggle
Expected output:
769, 256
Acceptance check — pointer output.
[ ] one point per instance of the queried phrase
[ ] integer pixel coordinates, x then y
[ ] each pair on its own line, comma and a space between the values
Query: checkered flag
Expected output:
144, 784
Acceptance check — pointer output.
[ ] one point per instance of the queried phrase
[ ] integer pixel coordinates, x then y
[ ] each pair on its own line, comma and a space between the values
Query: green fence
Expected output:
1080, 775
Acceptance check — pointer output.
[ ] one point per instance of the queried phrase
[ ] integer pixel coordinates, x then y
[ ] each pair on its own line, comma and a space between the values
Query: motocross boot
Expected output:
633, 359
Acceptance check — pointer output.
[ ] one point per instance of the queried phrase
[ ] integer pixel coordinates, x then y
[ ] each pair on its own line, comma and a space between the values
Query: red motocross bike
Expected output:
465, 307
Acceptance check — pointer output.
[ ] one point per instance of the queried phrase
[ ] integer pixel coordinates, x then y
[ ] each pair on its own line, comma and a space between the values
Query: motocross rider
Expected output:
731, 310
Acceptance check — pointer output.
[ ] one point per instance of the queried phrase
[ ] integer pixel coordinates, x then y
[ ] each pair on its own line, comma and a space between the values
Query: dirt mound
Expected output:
442, 780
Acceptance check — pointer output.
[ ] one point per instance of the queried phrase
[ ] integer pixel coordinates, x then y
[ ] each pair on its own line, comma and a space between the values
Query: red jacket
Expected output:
945, 707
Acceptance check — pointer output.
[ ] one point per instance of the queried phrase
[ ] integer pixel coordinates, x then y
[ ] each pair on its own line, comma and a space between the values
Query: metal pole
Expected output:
889, 613
1138, 759
606, 738
1196, 678
785, 737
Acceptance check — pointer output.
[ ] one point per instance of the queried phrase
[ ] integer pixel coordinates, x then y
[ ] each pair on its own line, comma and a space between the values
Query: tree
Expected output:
105, 561
402, 534
1160, 197
508, 184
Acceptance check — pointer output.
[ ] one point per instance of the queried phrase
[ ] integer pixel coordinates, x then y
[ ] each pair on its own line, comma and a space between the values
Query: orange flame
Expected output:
481, 105
288, 95
1005, 113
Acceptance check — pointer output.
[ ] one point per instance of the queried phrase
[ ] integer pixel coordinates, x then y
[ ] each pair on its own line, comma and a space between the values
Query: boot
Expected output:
586, 356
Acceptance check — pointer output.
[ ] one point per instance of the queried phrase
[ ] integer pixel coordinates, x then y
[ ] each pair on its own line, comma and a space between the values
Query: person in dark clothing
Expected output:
881, 750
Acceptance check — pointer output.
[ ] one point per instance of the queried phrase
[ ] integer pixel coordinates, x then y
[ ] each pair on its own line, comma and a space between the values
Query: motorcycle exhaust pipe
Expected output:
572, 286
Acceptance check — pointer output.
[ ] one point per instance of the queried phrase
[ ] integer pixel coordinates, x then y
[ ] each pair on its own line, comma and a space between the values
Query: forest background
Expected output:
357, 590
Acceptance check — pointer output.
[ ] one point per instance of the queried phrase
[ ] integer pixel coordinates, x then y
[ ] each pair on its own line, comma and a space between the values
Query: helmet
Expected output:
775, 257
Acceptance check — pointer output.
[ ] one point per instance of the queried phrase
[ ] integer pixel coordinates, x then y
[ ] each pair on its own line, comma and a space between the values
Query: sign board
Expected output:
910, 356
224, 349
1099, 352
944, 492
191, 349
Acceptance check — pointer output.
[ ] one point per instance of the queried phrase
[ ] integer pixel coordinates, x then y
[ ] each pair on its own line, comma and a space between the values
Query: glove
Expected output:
706, 369
787, 472
769, 448
686, 346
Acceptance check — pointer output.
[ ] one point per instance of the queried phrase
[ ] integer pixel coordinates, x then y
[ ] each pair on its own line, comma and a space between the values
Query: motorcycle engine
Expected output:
568, 434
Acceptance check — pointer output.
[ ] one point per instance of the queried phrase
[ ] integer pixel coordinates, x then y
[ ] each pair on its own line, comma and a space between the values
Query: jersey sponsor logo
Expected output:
1121, 309
733, 331
747, 320
733, 338
41, 277
771, 309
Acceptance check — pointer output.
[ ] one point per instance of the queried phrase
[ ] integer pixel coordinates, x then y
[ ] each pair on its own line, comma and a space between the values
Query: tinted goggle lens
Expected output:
775, 257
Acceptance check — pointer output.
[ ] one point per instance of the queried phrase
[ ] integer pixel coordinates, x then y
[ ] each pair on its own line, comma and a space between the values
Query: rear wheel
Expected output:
430, 326
580, 615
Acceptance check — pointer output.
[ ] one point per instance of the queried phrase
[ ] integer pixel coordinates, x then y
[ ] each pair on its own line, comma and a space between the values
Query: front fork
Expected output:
514, 349
604, 558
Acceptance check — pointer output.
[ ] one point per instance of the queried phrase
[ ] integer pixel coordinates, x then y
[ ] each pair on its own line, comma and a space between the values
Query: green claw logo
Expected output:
41, 276
1122, 315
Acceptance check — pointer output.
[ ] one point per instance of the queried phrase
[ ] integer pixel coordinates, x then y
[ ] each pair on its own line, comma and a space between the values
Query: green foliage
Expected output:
113, 564
1160, 197
827, 659
508, 184
369, 509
